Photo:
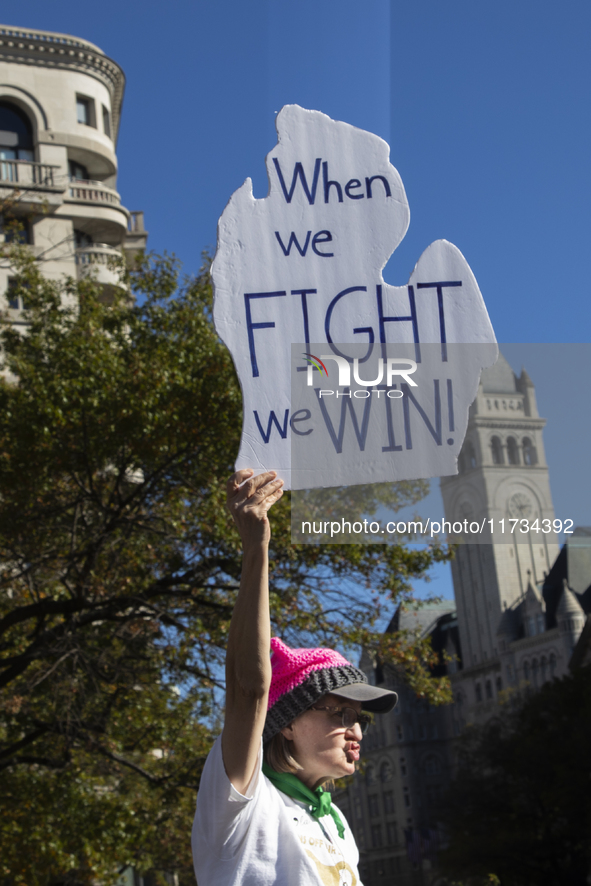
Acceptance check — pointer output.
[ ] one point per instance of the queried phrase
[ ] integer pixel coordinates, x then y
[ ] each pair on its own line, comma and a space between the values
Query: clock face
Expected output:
520, 505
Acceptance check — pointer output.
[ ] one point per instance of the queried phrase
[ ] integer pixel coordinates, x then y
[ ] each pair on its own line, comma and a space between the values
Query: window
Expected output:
470, 455
386, 771
531, 626
499, 684
406, 794
370, 775
478, 692
376, 835
552, 664
14, 301
399, 733
530, 456
85, 110
526, 670
106, 122
403, 766
389, 801
391, 835
82, 239
497, 451
488, 689
544, 669
15, 230
512, 451
432, 765
374, 808
534, 671
78, 172
16, 140
541, 623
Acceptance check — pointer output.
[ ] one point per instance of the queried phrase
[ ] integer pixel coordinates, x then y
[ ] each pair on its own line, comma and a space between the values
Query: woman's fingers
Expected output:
240, 487
237, 479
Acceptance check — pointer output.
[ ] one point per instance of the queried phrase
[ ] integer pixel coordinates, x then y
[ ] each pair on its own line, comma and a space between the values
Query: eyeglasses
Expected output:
349, 716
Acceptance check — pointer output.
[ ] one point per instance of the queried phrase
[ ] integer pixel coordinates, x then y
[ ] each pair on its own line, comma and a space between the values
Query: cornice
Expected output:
52, 50
519, 424
550, 636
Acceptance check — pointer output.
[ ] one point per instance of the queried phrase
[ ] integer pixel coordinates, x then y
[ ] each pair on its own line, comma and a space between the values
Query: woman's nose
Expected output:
356, 730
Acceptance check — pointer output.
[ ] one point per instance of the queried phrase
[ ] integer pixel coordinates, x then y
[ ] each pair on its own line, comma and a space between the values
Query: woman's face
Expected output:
320, 743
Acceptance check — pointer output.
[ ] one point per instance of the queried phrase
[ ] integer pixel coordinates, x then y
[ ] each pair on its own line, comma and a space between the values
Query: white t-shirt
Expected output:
264, 837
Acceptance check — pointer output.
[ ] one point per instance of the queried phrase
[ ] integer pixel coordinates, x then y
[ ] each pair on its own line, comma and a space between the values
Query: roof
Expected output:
573, 564
422, 619
499, 379
568, 604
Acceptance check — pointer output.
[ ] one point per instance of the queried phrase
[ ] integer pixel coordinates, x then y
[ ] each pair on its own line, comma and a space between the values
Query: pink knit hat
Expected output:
302, 676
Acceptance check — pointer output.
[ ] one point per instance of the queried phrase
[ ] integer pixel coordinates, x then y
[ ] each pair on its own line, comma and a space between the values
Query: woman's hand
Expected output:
249, 502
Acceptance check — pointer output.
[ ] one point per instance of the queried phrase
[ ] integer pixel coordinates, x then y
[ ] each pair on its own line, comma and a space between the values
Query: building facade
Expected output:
520, 618
60, 110
521, 603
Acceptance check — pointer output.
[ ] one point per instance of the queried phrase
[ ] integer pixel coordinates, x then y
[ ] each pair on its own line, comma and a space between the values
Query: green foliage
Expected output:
521, 804
119, 424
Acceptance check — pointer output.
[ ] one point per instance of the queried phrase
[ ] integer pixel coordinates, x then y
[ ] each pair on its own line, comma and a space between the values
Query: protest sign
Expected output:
304, 266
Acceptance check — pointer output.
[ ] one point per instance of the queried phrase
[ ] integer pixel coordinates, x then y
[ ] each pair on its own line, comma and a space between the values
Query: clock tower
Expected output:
503, 477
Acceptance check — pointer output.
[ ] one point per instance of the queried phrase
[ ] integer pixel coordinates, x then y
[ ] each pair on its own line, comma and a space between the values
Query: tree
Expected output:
119, 423
521, 803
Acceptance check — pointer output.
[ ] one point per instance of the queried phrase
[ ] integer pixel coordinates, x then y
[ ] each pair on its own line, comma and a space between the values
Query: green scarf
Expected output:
319, 800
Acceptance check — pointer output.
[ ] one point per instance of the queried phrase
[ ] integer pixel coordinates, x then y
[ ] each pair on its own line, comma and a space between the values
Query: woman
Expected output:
293, 721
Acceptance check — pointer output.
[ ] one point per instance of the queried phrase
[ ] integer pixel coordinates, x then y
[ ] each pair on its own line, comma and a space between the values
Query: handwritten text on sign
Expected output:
304, 265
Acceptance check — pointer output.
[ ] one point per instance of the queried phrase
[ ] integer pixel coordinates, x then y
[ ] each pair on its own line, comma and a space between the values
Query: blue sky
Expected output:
485, 105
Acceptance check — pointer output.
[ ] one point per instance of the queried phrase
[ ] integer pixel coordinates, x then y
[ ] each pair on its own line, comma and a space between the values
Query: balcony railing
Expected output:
101, 262
28, 174
93, 192
98, 254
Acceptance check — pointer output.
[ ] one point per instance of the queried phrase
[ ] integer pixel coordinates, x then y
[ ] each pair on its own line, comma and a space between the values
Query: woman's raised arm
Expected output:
248, 667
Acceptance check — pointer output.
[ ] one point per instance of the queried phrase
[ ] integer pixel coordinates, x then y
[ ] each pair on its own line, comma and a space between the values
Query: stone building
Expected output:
521, 604
521, 617
60, 110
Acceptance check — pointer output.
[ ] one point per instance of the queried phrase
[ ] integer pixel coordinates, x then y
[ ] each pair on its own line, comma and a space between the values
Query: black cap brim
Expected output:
374, 700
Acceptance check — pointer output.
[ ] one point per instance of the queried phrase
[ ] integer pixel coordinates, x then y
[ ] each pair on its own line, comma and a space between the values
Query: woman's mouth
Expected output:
353, 753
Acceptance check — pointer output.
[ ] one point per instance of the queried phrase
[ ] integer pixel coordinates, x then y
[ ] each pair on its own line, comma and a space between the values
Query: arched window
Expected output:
16, 140
512, 451
531, 626
534, 671
526, 671
544, 669
530, 455
478, 692
541, 622
497, 451
386, 771
488, 689
469, 455
552, 665
432, 765
499, 684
